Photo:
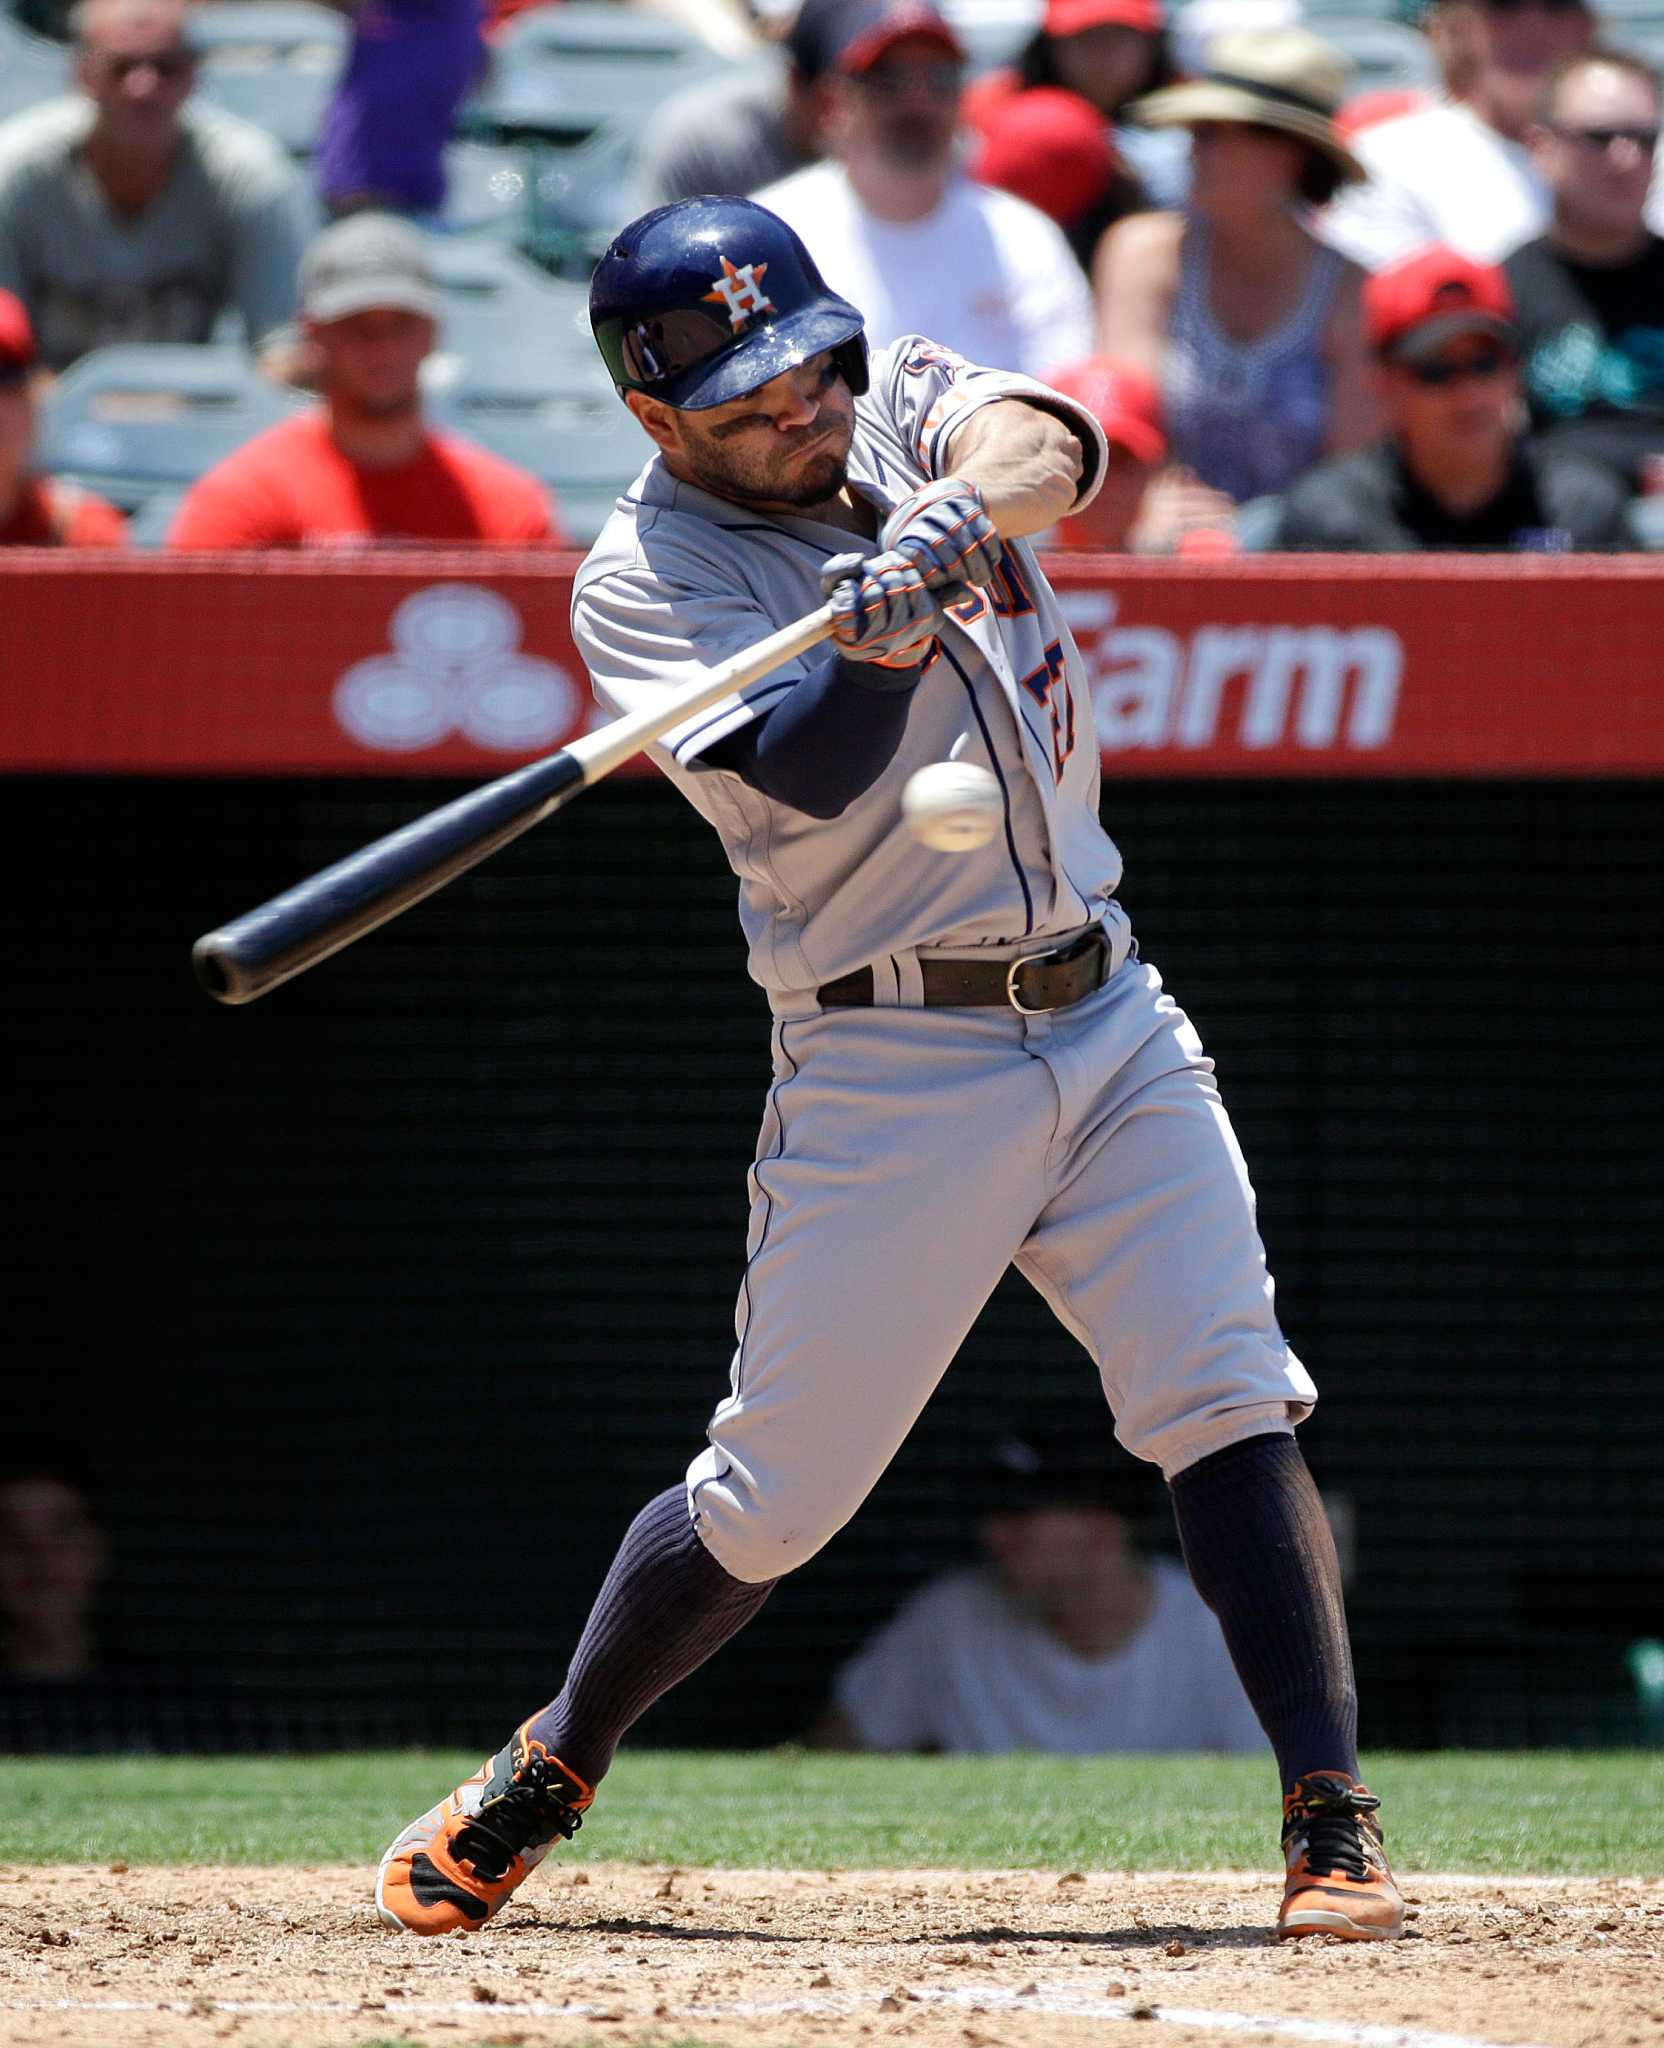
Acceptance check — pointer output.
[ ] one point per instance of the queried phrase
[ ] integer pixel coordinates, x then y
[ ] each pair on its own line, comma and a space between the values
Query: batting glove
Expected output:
881, 610
946, 530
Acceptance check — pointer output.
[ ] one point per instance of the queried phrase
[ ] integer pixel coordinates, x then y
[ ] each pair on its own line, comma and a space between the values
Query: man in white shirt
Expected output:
1460, 174
899, 230
1067, 1640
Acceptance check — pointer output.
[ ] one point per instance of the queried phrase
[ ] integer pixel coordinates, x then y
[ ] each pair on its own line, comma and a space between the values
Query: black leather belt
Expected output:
1031, 985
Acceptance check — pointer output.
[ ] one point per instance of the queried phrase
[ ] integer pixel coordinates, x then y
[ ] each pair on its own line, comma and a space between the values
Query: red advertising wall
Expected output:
462, 663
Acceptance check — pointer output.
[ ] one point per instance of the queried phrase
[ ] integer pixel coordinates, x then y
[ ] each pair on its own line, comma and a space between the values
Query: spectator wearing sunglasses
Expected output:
1461, 173
129, 213
1454, 470
896, 226
1590, 291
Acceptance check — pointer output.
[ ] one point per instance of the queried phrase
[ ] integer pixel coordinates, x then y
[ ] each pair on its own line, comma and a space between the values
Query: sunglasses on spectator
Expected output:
1442, 370
890, 81
168, 64
1644, 139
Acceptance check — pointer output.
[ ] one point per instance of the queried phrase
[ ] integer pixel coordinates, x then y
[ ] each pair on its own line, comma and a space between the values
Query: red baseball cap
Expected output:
1122, 398
1069, 17
1411, 309
865, 29
1050, 147
17, 337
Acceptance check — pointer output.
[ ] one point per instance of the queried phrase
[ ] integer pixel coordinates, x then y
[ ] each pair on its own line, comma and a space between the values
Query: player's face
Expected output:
781, 448
370, 362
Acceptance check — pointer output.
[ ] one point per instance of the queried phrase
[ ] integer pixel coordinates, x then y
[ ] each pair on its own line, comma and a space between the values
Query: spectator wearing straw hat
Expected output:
1247, 321
1455, 470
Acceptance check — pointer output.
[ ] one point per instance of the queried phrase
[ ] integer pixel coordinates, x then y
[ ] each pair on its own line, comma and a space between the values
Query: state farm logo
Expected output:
1256, 686
456, 668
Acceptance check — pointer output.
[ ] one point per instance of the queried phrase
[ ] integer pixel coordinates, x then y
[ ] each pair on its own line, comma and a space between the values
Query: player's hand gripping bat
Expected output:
327, 911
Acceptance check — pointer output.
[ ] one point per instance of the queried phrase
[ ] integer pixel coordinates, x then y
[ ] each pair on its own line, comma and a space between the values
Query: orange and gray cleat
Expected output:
450, 1871
1338, 1880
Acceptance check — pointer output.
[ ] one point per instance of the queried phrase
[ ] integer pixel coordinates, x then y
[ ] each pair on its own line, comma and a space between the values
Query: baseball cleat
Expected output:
1338, 1880
450, 1871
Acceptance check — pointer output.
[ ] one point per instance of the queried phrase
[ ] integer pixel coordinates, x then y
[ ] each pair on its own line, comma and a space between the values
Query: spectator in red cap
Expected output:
1107, 52
896, 226
39, 511
1454, 470
1055, 150
1248, 321
1127, 405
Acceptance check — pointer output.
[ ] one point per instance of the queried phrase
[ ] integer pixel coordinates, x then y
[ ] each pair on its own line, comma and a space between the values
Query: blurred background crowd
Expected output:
1370, 275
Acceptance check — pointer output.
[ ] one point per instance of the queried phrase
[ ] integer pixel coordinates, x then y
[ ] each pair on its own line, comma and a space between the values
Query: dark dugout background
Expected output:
377, 1308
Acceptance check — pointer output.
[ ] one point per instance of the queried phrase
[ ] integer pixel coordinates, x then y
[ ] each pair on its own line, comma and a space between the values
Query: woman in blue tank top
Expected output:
1250, 324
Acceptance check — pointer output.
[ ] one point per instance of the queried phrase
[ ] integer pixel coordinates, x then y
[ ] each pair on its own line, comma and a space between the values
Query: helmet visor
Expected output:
725, 366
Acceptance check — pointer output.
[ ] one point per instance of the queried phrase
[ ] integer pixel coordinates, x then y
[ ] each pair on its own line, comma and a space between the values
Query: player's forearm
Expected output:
827, 741
1027, 464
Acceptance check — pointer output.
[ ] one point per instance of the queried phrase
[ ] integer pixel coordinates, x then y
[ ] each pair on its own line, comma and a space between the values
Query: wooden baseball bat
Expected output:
317, 917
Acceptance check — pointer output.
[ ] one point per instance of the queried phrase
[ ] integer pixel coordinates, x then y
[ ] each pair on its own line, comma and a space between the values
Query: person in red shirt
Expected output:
39, 511
364, 467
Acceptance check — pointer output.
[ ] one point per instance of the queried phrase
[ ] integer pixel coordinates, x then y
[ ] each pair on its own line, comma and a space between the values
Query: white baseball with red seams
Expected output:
953, 806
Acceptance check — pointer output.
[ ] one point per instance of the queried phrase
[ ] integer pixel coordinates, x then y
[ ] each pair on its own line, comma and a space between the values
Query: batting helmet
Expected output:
704, 300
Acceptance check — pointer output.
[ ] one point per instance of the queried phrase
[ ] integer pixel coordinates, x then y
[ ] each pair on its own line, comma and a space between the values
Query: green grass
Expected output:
1545, 1811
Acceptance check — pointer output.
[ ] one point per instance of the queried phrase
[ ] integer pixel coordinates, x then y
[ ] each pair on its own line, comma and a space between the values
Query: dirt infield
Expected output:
114, 1958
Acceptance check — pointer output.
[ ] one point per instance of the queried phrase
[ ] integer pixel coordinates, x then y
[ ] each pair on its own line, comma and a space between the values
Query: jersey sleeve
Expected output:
929, 391
652, 627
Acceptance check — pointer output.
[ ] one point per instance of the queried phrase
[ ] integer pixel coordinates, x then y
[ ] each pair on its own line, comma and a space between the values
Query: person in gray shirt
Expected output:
744, 128
129, 213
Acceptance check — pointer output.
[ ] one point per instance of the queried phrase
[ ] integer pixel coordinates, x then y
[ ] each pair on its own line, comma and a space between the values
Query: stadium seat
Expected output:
31, 69
487, 190
1646, 522
580, 198
151, 524
506, 320
1384, 54
560, 72
138, 418
580, 441
274, 62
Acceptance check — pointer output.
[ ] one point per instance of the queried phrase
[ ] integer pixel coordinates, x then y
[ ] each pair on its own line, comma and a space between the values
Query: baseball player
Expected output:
972, 1065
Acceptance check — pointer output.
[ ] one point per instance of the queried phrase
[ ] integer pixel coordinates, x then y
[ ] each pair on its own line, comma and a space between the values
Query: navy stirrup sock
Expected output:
664, 1607
1262, 1556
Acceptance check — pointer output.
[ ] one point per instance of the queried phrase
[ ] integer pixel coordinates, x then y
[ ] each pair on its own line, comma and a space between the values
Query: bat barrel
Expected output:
327, 911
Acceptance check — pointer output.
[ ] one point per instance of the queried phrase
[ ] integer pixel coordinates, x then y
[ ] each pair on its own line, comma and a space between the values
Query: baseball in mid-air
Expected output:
952, 806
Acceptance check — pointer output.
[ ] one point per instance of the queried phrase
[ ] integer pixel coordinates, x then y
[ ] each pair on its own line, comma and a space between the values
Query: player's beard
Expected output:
774, 483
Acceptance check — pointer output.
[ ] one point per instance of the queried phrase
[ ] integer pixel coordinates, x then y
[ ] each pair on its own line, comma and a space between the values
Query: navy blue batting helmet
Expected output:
704, 300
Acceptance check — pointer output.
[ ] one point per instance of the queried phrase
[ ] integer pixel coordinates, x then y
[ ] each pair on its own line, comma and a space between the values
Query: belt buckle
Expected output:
1030, 960
1074, 947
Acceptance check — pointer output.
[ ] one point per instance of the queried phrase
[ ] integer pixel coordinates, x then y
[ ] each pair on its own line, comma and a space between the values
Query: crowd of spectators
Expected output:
1191, 215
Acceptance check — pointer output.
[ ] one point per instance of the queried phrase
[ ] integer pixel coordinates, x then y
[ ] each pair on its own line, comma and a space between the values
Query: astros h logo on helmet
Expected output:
741, 291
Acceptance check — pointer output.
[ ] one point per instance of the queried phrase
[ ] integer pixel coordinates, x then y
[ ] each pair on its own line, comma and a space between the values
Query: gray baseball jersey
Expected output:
679, 580
909, 1153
